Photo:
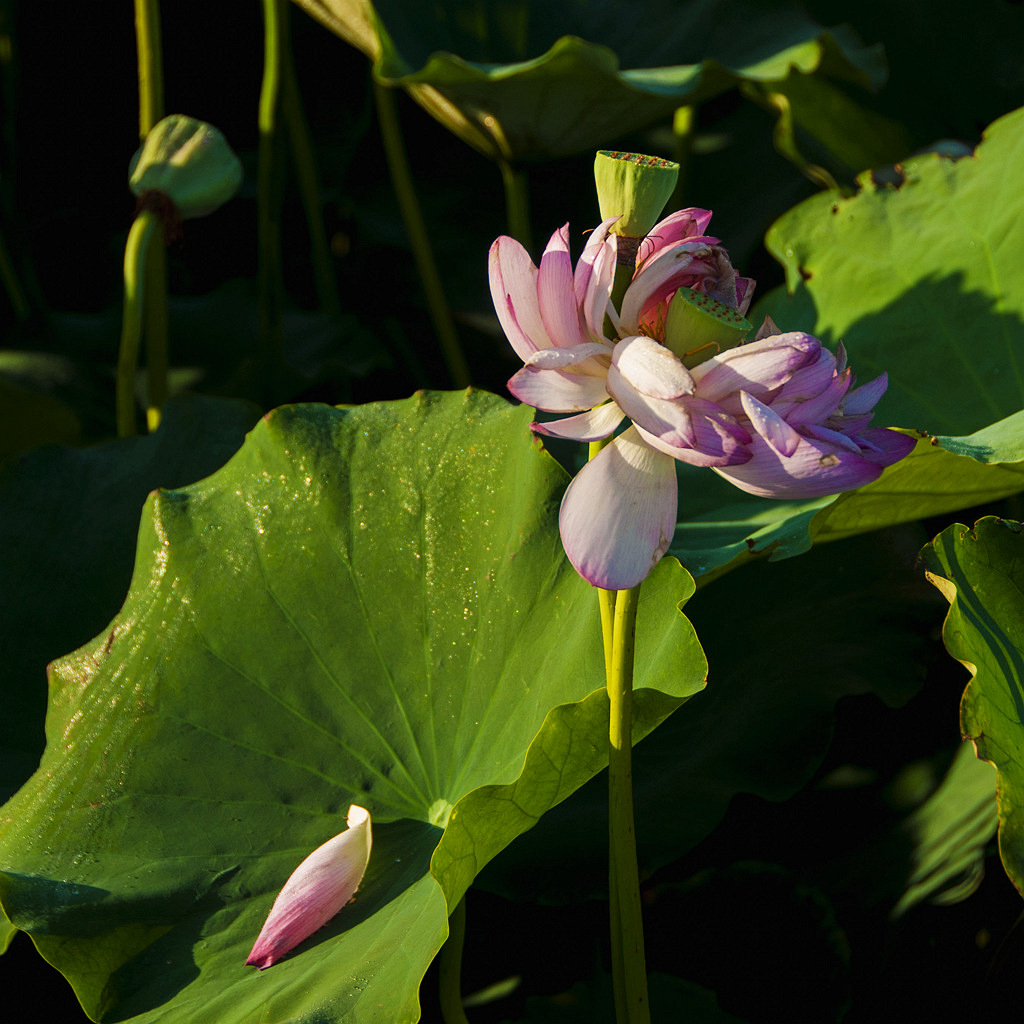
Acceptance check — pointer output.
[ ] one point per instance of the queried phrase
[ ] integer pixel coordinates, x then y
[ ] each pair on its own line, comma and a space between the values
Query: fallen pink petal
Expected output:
318, 888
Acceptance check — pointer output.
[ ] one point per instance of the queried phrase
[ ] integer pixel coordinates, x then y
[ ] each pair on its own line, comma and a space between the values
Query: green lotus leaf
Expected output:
529, 79
919, 281
981, 573
366, 605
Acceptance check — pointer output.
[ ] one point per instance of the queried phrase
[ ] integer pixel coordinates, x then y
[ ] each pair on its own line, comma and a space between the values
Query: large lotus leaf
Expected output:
981, 573
365, 605
920, 280
68, 522
531, 79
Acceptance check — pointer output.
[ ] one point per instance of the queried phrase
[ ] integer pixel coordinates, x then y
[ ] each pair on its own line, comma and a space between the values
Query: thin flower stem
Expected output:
270, 187
140, 237
517, 204
150, 60
624, 880
151, 110
308, 180
401, 178
684, 123
450, 967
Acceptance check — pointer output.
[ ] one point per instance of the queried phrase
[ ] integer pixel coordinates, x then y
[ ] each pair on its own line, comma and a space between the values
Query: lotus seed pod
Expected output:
633, 187
698, 326
188, 161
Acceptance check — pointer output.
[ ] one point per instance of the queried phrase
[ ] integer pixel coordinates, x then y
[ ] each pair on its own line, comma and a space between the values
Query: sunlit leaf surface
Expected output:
367, 605
981, 573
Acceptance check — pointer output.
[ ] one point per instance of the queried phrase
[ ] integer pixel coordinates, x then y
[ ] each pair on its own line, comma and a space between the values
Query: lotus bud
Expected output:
318, 888
699, 326
190, 163
635, 188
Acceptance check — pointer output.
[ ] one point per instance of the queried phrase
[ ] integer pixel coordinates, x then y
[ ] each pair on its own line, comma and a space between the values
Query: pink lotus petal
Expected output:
677, 227
667, 419
556, 298
595, 272
658, 278
560, 358
513, 280
619, 513
770, 425
318, 888
651, 368
587, 426
557, 390
757, 367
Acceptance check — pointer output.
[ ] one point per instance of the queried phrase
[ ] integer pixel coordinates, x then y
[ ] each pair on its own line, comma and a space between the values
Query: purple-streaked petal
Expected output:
694, 456
772, 427
817, 408
757, 367
619, 513
815, 469
560, 358
832, 437
863, 399
513, 280
555, 295
587, 426
318, 888
557, 390
651, 368
886, 446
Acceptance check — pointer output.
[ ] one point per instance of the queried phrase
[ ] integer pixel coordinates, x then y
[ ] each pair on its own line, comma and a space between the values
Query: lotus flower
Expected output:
776, 416
318, 888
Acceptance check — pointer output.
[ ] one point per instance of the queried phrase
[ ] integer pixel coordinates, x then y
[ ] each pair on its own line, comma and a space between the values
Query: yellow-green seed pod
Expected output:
635, 186
698, 326
188, 161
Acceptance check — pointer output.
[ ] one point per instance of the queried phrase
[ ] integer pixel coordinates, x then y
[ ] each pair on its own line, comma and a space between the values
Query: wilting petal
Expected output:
818, 408
513, 280
318, 888
663, 275
718, 439
587, 426
557, 390
681, 226
619, 513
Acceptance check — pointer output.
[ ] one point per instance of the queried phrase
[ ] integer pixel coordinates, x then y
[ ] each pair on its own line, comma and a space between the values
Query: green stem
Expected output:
630, 973
140, 238
684, 123
151, 110
450, 967
517, 204
309, 184
401, 178
150, 59
270, 186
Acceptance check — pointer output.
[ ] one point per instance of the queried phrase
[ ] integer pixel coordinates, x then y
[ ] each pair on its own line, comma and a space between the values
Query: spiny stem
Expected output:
450, 967
419, 239
140, 239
